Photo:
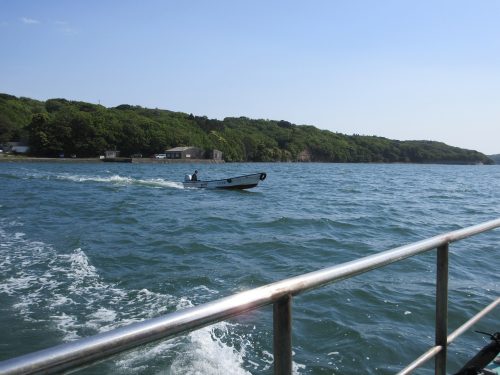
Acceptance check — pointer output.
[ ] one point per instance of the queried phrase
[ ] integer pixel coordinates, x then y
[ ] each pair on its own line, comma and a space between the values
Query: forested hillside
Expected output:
495, 158
87, 130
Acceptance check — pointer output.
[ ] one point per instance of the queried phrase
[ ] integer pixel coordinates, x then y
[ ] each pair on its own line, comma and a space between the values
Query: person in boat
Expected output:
194, 177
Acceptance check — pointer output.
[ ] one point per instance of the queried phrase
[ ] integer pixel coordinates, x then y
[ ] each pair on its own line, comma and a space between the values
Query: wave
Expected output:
9, 176
66, 292
120, 180
114, 179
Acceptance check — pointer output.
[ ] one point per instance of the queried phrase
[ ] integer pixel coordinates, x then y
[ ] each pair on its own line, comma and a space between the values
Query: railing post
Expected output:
282, 322
441, 308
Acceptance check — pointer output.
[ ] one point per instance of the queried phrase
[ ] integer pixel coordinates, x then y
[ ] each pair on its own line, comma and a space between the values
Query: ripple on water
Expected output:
94, 247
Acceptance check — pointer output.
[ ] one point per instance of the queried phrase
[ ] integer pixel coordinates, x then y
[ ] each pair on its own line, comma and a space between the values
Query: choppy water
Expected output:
85, 248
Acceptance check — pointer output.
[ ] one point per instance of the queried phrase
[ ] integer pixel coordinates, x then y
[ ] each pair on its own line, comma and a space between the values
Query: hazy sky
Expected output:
399, 69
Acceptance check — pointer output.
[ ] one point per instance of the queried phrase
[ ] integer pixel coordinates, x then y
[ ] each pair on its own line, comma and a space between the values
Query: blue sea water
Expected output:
85, 248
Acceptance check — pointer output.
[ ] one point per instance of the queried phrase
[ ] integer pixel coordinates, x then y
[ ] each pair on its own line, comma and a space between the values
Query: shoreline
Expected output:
27, 159
17, 159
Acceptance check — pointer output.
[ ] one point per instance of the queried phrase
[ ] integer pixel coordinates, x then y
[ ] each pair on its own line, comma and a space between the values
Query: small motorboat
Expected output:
236, 183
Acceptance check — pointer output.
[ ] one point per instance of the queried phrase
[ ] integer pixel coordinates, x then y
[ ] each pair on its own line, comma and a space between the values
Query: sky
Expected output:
407, 70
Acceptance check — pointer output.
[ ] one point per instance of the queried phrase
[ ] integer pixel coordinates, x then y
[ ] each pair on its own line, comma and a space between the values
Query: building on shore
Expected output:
194, 153
110, 154
215, 155
16, 147
184, 153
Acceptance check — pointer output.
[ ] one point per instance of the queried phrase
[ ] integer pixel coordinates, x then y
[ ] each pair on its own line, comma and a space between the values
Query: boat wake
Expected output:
121, 181
65, 293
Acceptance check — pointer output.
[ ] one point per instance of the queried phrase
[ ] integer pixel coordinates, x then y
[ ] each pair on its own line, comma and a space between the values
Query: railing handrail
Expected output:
98, 347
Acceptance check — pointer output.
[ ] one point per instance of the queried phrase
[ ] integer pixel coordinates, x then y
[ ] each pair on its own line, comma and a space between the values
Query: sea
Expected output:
89, 247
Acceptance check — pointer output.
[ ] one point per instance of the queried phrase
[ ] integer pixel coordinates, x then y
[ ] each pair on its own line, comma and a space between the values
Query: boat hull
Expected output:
234, 183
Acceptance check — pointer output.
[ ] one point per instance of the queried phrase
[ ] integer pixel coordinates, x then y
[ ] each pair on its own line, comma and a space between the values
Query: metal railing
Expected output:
280, 294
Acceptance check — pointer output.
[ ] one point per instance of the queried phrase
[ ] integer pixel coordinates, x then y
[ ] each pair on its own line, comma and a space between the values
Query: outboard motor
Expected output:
187, 177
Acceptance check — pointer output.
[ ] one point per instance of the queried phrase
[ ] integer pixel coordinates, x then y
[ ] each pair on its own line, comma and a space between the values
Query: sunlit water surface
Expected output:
85, 248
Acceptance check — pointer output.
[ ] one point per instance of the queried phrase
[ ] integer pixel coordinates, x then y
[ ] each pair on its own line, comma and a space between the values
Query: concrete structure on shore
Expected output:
111, 154
190, 153
184, 153
15, 147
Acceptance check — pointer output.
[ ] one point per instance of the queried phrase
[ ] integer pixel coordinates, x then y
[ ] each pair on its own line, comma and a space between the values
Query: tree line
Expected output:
60, 126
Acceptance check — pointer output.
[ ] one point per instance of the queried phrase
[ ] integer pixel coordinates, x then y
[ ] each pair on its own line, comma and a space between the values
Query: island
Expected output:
60, 127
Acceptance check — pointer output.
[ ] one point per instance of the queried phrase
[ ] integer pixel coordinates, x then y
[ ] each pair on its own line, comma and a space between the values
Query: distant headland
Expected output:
495, 158
61, 127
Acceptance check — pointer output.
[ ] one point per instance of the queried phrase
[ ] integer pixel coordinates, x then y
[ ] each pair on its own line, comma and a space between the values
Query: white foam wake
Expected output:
66, 292
121, 180
206, 353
